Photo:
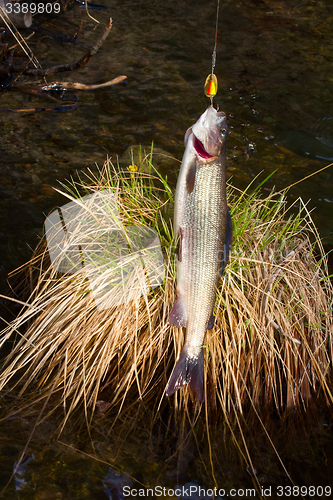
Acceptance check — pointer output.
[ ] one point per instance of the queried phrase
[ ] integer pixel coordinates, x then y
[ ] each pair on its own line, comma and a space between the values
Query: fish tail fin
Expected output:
189, 369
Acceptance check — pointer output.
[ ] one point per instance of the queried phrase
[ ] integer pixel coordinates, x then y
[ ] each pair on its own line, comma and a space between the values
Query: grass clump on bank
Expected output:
270, 348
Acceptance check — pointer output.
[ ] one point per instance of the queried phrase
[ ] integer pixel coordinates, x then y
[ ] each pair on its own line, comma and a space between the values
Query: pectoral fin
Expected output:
187, 135
179, 247
178, 316
190, 176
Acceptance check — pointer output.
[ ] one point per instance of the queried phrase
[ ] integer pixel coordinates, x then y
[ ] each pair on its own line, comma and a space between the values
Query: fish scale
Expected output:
201, 255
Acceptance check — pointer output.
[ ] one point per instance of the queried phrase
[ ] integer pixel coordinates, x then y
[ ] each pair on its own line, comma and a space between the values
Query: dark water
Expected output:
274, 65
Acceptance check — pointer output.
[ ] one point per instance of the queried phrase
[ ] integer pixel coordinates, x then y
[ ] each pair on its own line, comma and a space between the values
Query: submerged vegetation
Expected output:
269, 353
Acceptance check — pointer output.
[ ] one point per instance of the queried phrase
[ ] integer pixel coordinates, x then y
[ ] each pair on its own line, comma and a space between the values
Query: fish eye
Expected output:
224, 132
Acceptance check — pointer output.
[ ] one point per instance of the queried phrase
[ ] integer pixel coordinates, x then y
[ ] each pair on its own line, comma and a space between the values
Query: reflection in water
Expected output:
114, 483
19, 472
304, 143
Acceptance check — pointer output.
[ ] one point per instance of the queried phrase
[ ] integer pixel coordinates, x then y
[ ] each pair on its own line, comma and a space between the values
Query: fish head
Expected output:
210, 134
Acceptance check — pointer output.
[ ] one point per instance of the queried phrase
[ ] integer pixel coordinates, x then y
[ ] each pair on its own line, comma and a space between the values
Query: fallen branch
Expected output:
82, 86
45, 90
75, 65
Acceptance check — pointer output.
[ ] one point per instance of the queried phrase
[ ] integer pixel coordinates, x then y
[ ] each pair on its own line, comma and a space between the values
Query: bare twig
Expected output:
19, 43
82, 86
75, 65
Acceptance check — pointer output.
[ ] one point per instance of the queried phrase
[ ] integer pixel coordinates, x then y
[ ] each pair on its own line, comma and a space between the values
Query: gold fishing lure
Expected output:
211, 86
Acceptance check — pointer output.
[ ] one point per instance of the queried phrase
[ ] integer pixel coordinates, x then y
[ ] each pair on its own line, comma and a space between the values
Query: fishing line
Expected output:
216, 29
211, 80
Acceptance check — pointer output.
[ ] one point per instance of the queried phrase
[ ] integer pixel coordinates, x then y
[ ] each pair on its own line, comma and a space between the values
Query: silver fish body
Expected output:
203, 224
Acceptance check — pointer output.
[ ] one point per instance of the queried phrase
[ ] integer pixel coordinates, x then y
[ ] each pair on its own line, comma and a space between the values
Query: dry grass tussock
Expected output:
270, 348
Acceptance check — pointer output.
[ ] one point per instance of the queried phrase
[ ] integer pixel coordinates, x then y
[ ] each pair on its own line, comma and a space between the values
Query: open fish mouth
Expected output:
200, 149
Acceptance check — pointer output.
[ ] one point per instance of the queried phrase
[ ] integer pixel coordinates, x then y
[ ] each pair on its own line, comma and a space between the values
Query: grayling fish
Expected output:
203, 223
